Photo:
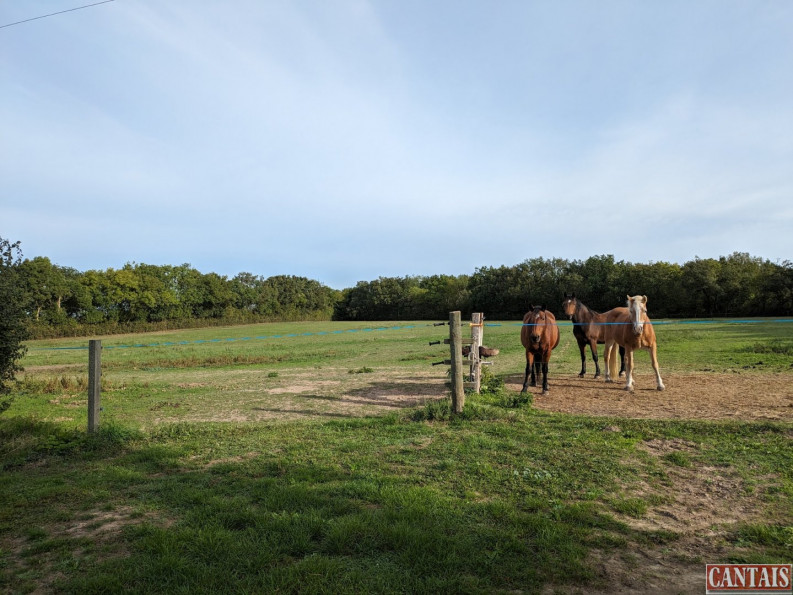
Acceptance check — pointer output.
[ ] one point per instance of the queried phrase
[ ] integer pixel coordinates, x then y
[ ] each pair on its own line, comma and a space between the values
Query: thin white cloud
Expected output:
360, 139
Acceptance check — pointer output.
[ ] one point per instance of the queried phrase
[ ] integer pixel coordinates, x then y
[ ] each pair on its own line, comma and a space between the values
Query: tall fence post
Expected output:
477, 325
456, 348
94, 383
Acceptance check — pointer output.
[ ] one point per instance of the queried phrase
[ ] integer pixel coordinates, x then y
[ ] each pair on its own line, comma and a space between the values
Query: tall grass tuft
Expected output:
53, 385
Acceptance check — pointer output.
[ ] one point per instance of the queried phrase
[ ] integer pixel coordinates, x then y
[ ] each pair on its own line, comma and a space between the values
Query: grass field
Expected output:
265, 459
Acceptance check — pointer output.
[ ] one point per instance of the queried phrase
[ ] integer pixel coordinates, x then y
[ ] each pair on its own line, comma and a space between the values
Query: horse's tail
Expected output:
614, 369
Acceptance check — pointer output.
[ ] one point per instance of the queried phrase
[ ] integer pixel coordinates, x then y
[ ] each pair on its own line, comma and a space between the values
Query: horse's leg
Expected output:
529, 365
582, 349
622, 361
593, 347
654, 359
608, 355
545, 359
535, 370
628, 369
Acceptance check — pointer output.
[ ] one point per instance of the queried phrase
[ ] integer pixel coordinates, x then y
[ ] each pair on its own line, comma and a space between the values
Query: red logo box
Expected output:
748, 578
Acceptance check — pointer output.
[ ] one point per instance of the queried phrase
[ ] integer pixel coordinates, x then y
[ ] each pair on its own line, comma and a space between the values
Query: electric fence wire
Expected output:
52, 14
403, 327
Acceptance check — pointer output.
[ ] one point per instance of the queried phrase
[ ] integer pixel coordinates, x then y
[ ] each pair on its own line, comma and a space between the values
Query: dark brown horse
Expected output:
539, 335
631, 328
588, 329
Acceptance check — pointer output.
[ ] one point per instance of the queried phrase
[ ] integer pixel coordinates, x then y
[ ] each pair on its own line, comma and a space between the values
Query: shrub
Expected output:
13, 327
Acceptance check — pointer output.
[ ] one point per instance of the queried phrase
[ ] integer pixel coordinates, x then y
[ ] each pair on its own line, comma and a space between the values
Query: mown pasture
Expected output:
264, 458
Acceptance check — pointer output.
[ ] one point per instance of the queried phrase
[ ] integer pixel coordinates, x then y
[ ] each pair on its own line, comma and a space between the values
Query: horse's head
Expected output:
536, 320
569, 305
637, 308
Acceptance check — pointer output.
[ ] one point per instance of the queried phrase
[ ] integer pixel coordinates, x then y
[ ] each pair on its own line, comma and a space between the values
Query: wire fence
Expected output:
413, 326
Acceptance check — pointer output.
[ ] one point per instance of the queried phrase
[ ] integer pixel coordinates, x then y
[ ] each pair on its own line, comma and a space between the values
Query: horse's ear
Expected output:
644, 297
572, 295
531, 306
542, 308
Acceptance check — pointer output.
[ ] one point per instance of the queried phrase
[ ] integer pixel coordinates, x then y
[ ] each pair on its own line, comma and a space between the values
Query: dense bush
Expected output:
13, 330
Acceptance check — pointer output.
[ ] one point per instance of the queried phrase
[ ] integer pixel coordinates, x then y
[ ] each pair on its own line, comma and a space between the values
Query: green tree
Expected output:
659, 281
245, 287
740, 278
775, 297
700, 280
46, 286
601, 289
444, 294
13, 328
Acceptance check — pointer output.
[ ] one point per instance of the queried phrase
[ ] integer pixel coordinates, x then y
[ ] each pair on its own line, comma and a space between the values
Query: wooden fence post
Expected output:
456, 348
94, 383
476, 342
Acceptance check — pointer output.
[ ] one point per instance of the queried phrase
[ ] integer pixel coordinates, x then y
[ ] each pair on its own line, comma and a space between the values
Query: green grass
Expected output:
370, 505
503, 498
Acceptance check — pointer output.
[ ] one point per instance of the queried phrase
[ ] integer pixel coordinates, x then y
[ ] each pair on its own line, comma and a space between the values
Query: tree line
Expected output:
62, 301
735, 285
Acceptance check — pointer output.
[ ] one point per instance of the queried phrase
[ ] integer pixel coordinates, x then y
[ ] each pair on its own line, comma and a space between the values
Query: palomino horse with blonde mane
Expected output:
588, 329
631, 328
539, 335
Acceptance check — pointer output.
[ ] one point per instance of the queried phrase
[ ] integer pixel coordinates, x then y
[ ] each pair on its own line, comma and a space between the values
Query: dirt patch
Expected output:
101, 527
99, 523
687, 396
703, 503
303, 387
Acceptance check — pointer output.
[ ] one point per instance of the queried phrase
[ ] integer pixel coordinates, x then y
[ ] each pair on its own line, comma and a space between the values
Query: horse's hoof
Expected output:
596, 376
582, 374
622, 374
661, 387
546, 391
609, 381
532, 384
629, 389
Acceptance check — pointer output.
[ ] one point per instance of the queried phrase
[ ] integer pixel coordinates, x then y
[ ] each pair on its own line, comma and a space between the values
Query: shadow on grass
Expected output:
266, 523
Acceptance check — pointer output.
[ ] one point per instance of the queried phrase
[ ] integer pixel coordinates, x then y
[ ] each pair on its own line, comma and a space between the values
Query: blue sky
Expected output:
347, 140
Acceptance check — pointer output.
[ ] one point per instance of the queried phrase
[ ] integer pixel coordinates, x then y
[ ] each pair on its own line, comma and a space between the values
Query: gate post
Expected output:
456, 348
94, 383
477, 327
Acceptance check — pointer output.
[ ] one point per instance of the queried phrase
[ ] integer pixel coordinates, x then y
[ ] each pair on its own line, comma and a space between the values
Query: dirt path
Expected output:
687, 396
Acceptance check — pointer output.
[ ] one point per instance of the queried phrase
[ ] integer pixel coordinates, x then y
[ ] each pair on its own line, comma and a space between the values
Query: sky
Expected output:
346, 140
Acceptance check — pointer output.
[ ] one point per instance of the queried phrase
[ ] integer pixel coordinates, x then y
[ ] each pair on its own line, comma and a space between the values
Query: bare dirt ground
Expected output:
703, 396
707, 396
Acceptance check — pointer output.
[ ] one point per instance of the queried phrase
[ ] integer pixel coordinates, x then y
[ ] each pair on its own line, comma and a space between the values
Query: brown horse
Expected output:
631, 328
588, 329
539, 335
